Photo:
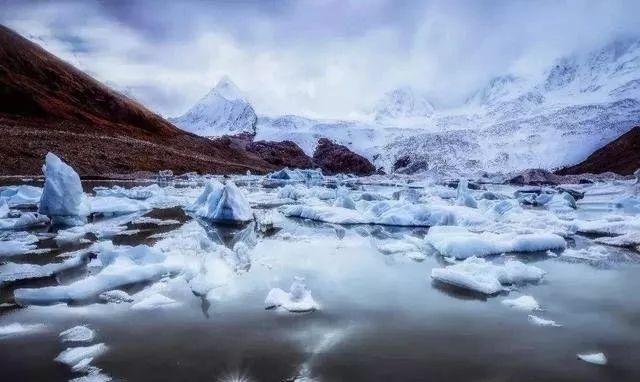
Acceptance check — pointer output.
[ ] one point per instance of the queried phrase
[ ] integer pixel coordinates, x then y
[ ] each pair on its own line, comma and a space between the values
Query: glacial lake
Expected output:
380, 315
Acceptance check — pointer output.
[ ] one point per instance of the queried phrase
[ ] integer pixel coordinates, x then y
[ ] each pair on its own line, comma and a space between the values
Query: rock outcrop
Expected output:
280, 154
334, 159
621, 156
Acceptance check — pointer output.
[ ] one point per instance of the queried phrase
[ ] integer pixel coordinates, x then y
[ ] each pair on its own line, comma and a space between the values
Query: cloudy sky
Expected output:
320, 58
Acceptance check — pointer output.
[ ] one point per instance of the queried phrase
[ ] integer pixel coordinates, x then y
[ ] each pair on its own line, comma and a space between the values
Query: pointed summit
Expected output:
223, 111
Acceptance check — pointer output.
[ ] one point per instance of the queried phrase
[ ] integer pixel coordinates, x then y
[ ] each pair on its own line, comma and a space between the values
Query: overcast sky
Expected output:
320, 58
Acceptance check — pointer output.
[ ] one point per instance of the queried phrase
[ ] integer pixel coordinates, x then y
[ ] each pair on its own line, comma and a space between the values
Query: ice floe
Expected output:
22, 271
463, 196
460, 243
121, 266
398, 213
539, 321
112, 205
16, 329
78, 333
485, 277
297, 300
62, 197
79, 355
155, 301
594, 358
524, 303
18, 243
24, 221
222, 203
139, 192
22, 195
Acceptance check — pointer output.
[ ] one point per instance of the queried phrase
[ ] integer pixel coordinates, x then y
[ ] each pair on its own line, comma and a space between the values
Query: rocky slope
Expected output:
621, 156
224, 111
333, 158
48, 105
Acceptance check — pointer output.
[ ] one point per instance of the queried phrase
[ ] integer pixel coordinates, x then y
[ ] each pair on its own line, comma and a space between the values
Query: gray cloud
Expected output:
326, 58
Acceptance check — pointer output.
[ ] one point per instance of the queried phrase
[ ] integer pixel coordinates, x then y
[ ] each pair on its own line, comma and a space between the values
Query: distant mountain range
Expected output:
580, 103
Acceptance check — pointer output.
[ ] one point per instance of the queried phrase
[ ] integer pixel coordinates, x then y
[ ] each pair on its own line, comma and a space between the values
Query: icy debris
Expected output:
18, 243
155, 301
594, 358
16, 329
122, 266
4, 209
149, 220
628, 203
14, 271
482, 276
115, 296
630, 239
408, 246
297, 300
78, 333
20, 195
139, 193
398, 213
538, 321
464, 197
286, 174
592, 253
102, 229
111, 205
24, 221
344, 200
525, 303
291, 192
222, 203
62, 197
460, 243
94, 375
79, 355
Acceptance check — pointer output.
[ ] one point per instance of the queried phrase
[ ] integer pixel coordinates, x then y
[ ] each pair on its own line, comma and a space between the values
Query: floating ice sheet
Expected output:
485, 277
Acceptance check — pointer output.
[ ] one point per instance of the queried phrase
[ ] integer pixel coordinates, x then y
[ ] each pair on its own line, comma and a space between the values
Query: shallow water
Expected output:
381, 317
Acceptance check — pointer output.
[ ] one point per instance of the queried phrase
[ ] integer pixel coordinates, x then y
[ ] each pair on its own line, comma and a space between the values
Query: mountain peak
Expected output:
227, 89
403, 102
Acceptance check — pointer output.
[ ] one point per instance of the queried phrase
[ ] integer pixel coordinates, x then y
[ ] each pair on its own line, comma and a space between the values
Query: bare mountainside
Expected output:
48, 105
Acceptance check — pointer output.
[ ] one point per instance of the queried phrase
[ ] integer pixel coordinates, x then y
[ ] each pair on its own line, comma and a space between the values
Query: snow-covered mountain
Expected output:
224, 110
556, 118
402, 103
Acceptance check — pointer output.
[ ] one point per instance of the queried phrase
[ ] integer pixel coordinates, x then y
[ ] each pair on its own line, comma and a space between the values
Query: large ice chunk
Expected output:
460, 243
155, 301
482, 276
222, 203
298, 299
463, 196
62, 197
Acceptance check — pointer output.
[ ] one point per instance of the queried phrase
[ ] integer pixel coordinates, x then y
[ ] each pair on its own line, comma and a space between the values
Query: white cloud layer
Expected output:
320, 58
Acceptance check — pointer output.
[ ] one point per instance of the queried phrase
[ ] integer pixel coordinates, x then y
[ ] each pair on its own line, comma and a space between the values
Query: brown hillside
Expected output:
48, 105
621, 156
